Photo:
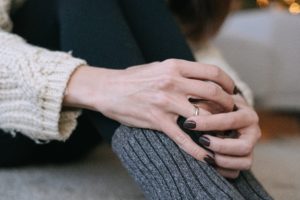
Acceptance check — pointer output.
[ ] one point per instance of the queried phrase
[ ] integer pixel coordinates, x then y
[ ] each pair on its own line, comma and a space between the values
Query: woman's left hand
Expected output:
231, 155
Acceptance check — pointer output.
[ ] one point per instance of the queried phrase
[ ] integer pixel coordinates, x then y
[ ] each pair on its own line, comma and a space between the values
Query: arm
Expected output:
33, 82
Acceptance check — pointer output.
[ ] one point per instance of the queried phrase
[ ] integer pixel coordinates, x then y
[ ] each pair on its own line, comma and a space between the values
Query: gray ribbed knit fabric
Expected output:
165, 172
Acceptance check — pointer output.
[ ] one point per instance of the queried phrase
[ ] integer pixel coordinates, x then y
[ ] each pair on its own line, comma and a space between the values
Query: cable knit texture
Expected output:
32, 84
33, 80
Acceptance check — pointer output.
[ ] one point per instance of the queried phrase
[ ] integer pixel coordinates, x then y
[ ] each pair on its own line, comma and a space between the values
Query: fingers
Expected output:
208, 91
230, 167
234, 163
204, 72
228, 146
181, 106
236, 147
225, 121
184, 141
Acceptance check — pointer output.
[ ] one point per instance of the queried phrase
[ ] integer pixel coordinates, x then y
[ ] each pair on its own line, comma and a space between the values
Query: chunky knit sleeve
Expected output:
32, 85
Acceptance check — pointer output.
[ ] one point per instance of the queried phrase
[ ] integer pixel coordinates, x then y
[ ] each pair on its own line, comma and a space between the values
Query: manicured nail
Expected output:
189, 124
235, 108
205, 141
236, 90
210, 160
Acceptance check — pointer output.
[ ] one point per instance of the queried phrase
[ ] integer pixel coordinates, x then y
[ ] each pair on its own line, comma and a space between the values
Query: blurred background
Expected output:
261, 41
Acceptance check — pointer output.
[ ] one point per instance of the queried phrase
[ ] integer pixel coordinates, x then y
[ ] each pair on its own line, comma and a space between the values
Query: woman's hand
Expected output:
231, 155
152, 95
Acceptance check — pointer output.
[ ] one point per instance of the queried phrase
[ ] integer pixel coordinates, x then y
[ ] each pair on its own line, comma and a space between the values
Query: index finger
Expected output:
236, 147
184, 141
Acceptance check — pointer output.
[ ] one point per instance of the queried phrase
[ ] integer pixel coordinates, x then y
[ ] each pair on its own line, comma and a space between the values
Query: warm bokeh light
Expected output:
289, 2
294, 8
263, 3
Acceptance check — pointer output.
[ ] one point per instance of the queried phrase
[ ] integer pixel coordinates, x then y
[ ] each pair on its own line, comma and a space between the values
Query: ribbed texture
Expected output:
163, 171
32, 85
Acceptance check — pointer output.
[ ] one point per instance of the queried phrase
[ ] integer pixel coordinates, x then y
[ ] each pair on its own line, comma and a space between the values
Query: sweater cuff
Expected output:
35, 82
58, 123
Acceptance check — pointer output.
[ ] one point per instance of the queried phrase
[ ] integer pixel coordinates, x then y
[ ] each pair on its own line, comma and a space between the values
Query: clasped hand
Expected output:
154, 95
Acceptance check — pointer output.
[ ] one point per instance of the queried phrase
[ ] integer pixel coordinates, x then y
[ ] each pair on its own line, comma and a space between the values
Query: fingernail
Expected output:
235, 108
210, 160
189, 124
205, 141
236, 90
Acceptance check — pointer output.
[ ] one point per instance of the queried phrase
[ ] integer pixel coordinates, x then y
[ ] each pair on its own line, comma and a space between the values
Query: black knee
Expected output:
15, 150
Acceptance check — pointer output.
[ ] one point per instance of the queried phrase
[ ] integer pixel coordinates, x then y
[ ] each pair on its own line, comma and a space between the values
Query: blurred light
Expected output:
263, 3
289, 2
294, 8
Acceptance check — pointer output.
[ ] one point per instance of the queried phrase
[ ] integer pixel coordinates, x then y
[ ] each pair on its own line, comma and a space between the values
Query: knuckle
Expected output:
221, 161
197, 153
213, 90
215, 72
246, 148
259, 133
203, 125
231, 122
252, 115
248, 164
217, 147
172, 64
161, 99
165, 82
181, 140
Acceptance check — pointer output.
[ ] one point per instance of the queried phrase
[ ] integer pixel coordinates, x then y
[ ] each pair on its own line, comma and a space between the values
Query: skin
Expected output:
154, 95
232, 155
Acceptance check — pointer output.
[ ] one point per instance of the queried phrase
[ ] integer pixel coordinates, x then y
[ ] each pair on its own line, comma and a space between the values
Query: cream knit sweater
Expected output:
33, 80
32, 84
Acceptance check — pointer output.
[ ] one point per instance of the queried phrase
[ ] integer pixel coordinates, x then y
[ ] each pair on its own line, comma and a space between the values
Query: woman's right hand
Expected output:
152, 95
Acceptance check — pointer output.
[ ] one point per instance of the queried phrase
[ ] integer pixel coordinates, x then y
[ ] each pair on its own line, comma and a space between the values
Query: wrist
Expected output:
84, 86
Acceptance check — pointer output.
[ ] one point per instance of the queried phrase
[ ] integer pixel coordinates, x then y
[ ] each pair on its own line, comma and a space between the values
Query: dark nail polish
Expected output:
189, 124
235, 108
205, 141
210, 160
236, 90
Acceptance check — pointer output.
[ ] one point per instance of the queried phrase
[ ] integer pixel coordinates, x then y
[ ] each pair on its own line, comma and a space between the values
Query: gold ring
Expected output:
196, 110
